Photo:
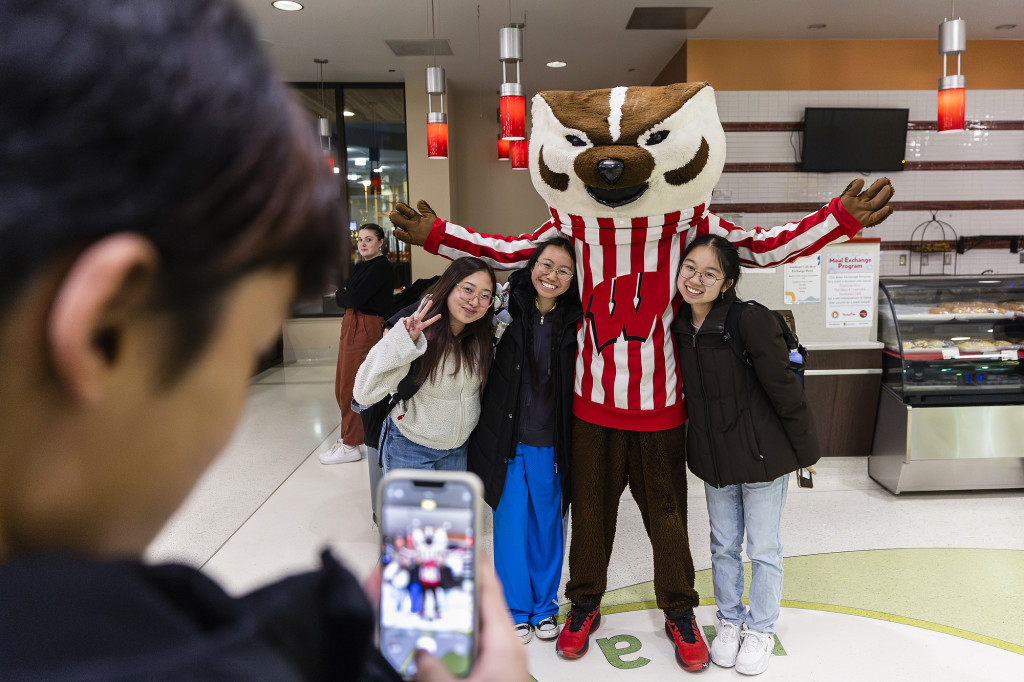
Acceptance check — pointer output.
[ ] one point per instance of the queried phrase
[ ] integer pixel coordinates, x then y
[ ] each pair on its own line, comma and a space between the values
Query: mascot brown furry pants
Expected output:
604, 461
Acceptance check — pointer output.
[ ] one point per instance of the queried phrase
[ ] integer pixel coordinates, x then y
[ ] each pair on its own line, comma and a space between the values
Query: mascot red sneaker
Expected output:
627, 174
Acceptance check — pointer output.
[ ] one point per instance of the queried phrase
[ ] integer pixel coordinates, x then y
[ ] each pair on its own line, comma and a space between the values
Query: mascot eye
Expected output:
575, 141
657, 137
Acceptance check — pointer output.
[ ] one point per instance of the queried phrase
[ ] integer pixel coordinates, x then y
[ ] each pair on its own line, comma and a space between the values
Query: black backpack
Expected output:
797, 353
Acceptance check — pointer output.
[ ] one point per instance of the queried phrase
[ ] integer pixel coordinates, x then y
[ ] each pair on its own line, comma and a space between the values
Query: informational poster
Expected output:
803, 281
850, 290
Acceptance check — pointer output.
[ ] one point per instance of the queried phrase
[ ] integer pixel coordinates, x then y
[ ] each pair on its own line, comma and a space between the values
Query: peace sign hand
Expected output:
415, 323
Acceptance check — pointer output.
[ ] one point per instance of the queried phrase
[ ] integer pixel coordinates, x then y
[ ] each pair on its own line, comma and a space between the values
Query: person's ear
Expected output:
93, 306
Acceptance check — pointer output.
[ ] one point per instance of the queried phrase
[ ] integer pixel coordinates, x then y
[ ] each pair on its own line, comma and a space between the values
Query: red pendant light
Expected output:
437, 121
952, 89
503, 148
520, 154
513, 101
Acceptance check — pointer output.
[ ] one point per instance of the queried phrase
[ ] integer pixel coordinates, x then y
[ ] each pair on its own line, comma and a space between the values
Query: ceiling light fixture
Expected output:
520, 154
557, 65
324, 123
513, 100
503, 148
287, 6
1005, 27
952, 89
817, 27
348, 113
437, 121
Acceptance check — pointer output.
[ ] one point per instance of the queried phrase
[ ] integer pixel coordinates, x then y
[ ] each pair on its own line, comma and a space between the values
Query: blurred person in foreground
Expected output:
161, 204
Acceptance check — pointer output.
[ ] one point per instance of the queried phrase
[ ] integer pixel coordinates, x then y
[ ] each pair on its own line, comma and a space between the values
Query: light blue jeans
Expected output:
757, 509
401, 453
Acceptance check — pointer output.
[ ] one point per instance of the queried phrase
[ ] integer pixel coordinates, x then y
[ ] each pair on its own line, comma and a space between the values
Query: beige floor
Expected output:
920, 586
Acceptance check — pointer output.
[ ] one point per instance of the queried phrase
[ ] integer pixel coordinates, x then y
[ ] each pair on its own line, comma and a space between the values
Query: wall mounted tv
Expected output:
851, 139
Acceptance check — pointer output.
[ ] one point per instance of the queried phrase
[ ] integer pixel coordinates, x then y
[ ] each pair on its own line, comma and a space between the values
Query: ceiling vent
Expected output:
670, 18
421, 48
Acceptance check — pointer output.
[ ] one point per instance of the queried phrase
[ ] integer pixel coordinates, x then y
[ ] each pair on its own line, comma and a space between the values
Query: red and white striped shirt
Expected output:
626, 372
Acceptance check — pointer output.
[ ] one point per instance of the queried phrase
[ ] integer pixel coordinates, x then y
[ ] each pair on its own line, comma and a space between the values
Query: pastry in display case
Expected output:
951, 408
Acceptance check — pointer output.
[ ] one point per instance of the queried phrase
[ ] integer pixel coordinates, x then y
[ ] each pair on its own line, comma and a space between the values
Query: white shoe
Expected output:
755, 652
524, 631
547, 628
726, 644
341, 453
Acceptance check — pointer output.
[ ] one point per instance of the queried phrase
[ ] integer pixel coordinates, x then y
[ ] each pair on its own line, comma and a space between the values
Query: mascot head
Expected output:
626, 152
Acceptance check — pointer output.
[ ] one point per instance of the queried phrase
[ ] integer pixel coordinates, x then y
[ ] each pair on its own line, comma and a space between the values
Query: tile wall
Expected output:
915, 186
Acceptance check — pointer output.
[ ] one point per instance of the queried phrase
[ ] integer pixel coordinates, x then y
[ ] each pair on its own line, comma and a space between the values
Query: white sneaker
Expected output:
340, 453
726, 644
547, 628
524, 631
755, 652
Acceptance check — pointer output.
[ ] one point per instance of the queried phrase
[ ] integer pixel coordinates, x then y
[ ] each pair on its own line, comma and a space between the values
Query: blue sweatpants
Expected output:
528, 525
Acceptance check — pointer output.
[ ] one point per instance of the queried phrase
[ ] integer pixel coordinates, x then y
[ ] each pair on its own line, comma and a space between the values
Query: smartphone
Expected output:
804, 479
430, 524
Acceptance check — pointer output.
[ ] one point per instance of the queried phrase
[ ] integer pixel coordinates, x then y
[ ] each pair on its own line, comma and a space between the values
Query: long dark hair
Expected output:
726, 252
473, 345
559, 311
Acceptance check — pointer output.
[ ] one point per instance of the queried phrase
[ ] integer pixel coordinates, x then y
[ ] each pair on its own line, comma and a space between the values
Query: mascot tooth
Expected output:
627, 174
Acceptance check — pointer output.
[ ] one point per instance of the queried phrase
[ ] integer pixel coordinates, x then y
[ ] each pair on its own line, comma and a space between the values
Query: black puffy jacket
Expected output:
493, 442
745, 424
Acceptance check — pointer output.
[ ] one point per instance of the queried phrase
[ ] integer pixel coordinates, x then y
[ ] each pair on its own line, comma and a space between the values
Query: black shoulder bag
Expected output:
373, 416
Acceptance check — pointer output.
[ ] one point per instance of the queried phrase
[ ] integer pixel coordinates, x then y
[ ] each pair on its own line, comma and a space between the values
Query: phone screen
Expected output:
427, 588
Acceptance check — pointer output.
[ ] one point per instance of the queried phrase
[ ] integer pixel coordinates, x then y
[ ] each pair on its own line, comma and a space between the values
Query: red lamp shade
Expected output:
513, 117
375, 184
520, 154
503, 149
951, 109
437, 140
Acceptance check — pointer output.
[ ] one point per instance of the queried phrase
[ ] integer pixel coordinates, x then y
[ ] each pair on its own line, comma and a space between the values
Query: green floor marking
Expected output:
614, 653
953, 591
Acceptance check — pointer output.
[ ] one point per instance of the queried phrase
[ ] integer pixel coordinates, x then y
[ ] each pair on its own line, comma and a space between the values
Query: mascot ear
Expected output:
869, 207
412, 226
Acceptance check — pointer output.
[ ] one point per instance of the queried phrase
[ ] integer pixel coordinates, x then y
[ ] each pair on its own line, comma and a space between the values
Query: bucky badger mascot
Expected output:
627, 174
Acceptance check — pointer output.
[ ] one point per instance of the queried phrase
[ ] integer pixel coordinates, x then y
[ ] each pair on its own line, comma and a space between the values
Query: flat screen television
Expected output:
851, 139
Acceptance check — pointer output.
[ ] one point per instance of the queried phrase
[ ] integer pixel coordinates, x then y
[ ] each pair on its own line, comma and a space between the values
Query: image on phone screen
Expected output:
427, 587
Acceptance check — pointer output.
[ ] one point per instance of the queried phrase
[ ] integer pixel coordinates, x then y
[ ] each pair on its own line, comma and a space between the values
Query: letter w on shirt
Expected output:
625, 307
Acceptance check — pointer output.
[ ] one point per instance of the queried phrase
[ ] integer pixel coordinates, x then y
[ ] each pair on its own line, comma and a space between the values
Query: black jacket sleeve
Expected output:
369, 288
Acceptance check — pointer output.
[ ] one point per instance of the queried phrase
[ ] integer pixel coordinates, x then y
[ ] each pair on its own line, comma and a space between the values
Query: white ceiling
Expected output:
589, 35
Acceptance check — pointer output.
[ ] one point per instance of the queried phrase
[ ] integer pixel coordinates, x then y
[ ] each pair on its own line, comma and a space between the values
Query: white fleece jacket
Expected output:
443, 412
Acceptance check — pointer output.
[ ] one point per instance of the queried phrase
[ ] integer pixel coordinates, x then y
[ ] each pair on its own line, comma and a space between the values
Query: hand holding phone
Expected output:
500, 656
430, 526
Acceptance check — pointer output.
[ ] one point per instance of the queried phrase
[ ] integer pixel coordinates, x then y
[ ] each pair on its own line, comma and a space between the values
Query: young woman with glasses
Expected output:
450, 334
748, 428
520, 449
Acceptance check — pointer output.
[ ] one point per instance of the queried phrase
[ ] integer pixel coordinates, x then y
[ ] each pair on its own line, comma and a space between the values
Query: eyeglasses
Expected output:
708, 279
468, 293
547, 267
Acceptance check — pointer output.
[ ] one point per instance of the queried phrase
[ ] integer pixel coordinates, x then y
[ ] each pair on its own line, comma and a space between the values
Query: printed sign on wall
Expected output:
850, 290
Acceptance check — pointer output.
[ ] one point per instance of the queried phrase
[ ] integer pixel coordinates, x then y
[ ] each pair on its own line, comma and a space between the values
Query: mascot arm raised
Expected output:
839, 220
423, 228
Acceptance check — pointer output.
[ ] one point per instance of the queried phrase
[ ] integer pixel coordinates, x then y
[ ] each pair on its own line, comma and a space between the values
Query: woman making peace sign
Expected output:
450, 334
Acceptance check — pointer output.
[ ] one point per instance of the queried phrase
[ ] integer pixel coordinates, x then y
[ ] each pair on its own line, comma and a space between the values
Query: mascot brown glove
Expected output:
870, 206
413, 226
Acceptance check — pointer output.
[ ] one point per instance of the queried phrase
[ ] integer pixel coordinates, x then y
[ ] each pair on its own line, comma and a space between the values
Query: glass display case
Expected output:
952, 340
951, 408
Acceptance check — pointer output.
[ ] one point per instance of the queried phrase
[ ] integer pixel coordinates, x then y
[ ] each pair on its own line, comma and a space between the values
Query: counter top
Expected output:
843, 345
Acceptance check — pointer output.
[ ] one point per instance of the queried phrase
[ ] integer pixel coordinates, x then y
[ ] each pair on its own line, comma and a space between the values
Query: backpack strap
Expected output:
732, 330
408, 386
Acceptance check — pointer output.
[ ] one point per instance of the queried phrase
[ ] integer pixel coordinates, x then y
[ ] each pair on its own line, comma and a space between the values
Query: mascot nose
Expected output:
610, 170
